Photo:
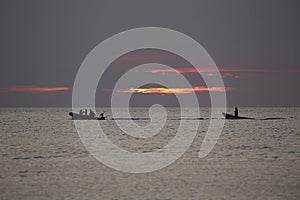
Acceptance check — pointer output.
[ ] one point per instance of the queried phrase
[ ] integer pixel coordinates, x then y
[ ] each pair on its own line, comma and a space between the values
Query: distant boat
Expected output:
77, 116
229, 116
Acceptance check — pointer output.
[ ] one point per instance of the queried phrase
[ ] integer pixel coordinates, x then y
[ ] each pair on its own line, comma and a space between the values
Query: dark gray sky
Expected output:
43, 44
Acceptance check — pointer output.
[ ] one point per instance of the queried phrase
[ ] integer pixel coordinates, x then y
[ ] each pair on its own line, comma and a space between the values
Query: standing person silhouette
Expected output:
85, 112
236, 111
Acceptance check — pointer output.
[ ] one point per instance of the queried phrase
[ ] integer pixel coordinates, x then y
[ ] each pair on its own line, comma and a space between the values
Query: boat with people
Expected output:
84, 116
235, 116
229, 116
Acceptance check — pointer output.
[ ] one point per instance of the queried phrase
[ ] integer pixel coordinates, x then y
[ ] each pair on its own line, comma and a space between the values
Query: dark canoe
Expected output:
77, 116
229, 116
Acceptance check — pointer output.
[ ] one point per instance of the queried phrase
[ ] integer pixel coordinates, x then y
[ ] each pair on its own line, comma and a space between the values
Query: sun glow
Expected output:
174, 90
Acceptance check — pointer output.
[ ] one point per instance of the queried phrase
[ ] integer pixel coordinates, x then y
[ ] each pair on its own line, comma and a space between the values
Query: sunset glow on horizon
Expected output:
174, 90
33, 89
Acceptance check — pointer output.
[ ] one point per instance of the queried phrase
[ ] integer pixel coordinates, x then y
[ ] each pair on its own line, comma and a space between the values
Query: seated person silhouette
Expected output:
101, 116
92, 114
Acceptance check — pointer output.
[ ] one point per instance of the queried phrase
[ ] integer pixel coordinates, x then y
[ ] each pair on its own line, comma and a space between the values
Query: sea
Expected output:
42, 156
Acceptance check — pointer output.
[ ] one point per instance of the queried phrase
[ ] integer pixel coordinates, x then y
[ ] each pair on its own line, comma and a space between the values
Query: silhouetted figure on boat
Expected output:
80, 112
236, 112
102, 117
85, 112
92, 114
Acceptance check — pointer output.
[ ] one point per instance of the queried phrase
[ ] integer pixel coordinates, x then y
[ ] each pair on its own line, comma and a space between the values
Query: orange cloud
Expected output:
33, 89
174, 90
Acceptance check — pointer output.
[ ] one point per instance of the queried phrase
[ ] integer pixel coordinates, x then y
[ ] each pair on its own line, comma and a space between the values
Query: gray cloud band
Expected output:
90, 72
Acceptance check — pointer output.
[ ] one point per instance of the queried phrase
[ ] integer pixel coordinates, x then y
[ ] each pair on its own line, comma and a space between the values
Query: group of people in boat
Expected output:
84, 115
91, 114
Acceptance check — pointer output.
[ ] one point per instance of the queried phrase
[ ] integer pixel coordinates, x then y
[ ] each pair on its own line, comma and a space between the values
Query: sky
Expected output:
255, 45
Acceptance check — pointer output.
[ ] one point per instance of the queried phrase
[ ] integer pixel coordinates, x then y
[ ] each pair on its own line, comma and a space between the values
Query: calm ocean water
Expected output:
42, 157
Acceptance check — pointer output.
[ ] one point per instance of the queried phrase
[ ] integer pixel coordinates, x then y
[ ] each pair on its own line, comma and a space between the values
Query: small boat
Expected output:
76, 116
229, 116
